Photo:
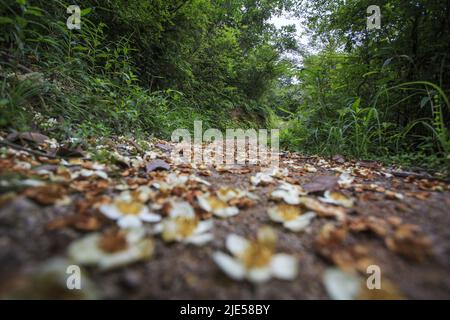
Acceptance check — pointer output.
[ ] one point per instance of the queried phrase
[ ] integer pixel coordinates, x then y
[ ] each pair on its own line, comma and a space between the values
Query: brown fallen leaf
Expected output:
157, 164
332, 244
321, 184
77, 221
410, 243
163, 147
35, 137
46, 195
113, 240
7, 197
338, 159
388, 291
322, 209
364, 224
368, 164
66, 151
242, 203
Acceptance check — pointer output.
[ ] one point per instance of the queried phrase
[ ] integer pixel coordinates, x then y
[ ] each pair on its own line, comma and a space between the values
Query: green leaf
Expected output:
387, 62
424, 101
21, 22
6, 20
80, 48
85, 11
355, 105
34, 11
369, 73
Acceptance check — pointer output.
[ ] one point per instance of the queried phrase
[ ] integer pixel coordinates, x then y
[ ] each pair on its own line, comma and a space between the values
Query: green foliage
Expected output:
139, 67
379, 93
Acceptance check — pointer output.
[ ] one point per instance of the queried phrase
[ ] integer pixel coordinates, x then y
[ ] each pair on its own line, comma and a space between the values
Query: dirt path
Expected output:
400, 224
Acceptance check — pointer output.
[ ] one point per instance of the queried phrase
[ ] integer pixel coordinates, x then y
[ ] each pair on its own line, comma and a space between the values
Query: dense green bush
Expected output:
379, 93
140, 66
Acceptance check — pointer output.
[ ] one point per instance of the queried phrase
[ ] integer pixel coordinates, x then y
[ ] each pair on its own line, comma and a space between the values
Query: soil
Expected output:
180, 271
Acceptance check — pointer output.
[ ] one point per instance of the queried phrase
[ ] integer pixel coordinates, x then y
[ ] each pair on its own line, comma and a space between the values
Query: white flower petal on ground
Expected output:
158, 228
261, 178
230, 266
288, 193
341, 285
216, 206
265, 177
259, 275
149, 217
110, 211
292, 217
204, 226
200, 180
185, 229
88, 251
144, 193
181, 209
290, 198
337, 198
85, 250
236, 244
199, 239
278, 172
226, 194
301, 223
172, 180
322, 209
255, 260
128, 212
284, 212
89, 173
284, 266
310, 168
135, 253
345, 180
128, 222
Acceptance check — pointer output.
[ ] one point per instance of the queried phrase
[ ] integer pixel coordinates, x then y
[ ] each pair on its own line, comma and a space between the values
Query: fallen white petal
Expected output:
204, 226
85, 250
227, 212
128, 222
341, 285
199, 239
181, 209
284, 266
259, 275
274, 215
301, 223
236, 244
110, 210
158, 228
135, 253
150, 217
232, 267
204, 203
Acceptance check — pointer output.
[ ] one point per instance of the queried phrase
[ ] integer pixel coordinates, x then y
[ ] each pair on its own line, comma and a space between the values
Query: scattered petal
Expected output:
341, 285
337, 198
217, 206
92, 250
